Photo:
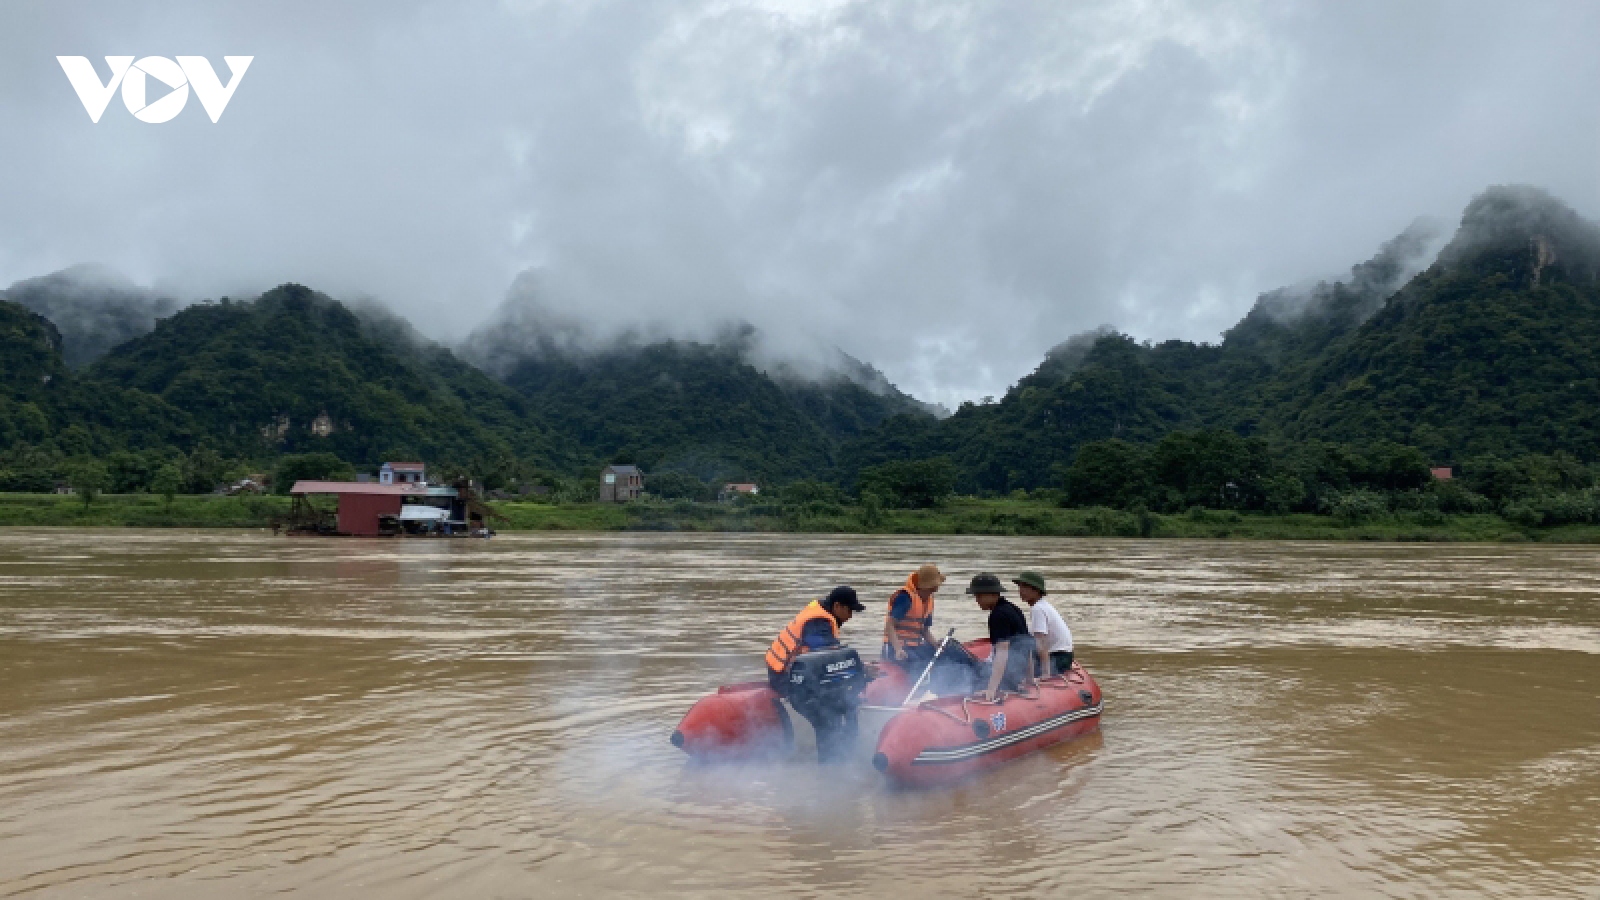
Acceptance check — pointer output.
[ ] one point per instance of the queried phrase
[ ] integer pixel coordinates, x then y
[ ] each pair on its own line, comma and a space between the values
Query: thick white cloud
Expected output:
945, 190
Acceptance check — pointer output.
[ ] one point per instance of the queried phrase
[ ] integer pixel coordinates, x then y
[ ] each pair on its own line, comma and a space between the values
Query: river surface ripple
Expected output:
214, 713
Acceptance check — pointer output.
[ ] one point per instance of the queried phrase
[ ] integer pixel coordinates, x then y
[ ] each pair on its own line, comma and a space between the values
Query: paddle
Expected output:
938, 650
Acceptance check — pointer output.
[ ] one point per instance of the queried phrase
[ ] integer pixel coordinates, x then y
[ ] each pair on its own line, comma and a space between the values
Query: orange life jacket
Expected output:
919, 615
788, 644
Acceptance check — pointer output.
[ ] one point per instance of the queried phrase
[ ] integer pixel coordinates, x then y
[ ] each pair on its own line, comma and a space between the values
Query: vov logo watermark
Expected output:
134, 78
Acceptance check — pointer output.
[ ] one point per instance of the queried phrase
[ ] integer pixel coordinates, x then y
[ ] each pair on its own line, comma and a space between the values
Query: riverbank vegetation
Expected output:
1025, 515
1028, 516
142, 510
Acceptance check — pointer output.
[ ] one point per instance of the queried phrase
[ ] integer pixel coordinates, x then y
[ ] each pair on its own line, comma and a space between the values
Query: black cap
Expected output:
845, 594
986, 584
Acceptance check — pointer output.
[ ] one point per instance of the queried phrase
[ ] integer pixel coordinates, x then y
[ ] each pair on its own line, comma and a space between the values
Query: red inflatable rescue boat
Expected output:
748, 721
946, 739
938, 741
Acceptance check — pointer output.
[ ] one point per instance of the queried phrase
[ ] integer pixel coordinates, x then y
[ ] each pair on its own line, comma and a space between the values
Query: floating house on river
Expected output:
401, 502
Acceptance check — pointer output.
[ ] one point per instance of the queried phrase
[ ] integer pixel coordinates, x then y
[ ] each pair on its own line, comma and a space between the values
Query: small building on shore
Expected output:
400, 502
1443, 473
403, 473
619, 484
734, 490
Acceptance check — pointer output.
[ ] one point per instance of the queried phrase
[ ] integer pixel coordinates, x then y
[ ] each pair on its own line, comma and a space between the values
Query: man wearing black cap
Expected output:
1011, 665
817, 628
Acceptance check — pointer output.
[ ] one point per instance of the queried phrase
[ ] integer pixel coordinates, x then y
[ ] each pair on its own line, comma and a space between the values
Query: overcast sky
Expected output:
943, 189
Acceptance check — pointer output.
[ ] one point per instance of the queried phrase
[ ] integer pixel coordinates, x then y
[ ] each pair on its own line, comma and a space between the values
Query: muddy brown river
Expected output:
204, 714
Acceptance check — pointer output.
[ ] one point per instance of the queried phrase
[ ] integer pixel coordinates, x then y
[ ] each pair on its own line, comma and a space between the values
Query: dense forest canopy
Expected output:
295, 371
701, 409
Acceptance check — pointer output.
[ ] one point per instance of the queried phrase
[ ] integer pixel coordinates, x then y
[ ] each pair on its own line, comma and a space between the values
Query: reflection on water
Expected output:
202, 713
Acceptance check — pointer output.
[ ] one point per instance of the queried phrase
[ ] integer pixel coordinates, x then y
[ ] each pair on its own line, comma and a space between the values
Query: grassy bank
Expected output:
960, 516
1020, 517
142, 510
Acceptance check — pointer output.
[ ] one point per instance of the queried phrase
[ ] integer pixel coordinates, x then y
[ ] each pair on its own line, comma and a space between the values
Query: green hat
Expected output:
1031, 579
985, 584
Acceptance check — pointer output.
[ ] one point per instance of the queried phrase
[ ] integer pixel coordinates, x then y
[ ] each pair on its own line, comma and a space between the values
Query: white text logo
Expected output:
134, 78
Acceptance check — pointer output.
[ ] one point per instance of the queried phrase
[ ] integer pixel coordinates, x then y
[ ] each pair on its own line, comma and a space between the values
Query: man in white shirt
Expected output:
1051, 636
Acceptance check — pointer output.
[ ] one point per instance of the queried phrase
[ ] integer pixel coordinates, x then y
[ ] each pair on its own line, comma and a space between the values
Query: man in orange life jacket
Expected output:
816, 628
907, 635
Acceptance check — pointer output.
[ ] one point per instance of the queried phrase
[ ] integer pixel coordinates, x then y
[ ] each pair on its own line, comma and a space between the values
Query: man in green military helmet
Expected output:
1052, 639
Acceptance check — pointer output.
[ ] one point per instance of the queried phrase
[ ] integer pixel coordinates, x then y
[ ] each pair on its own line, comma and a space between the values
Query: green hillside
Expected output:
30, 353
1122, 389
295, 372
47, 410
92, 308
1486, 357
1492, 350
701, 409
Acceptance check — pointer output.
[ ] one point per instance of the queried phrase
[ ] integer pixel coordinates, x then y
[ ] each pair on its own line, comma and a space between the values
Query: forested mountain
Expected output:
92, 308
30, 353
295, 371
703, 409
1491, 349
45, 408
717, 408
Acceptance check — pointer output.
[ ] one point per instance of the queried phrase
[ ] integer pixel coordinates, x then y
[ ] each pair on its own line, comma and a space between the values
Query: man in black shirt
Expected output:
1011, 664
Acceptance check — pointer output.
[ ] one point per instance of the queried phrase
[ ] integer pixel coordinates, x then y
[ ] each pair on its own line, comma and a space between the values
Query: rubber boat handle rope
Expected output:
966, 713
937, 650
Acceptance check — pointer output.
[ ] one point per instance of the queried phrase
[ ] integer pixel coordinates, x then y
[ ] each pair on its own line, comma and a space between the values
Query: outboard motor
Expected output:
827, 679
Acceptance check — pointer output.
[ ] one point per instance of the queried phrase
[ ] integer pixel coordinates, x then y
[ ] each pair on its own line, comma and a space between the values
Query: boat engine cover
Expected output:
826, 676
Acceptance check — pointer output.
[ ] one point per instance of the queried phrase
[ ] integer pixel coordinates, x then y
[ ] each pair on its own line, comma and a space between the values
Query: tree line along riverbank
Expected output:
977, 516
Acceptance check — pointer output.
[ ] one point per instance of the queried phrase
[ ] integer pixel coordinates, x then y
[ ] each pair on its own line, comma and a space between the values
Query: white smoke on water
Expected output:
615, 715
616, 751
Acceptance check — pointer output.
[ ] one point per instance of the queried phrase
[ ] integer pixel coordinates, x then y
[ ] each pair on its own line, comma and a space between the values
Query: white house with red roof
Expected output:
403, 473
